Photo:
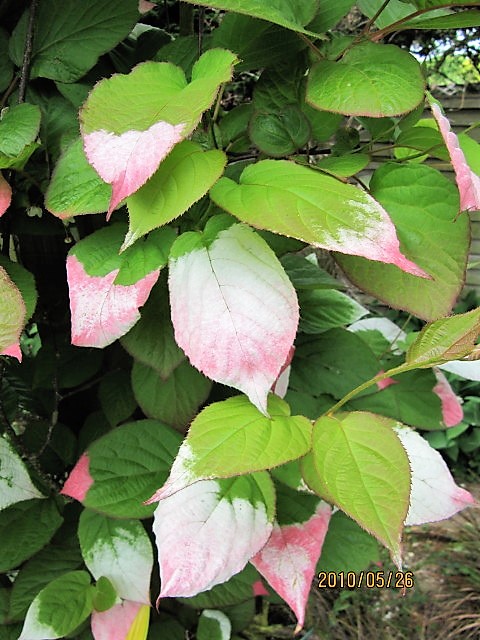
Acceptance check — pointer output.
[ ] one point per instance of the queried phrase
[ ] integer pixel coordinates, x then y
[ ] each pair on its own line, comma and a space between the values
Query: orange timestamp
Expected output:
369, 579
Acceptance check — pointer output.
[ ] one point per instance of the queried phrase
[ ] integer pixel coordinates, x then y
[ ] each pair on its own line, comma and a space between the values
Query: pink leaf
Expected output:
289, 558
387, 382
5, 195
144, 6
115, 623
434, 495
235, 312
204, 538
452, 411
280, 386
128, 160
79, 481
258, 589
468, 182
14, 351
103, 311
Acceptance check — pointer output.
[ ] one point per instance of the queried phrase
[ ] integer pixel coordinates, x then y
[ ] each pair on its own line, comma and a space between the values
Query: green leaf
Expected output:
60, 607
334, 363
151, 340
395, 10
281, 86
174, 400
371, 80
12, 315
347, 547
294, 507
446, 339
329, 14
344, 166
25, 528
19, 127
362, 466
182, 52
145, 256
75, 187
104, 595
164, 197
116, 397
238, 589
423, 204
213, 625
66, 47
302, 203
233, 437
324, 309
281, 133
50, 563
6, 66
131, 102
127, 465
99, 251
305, 273
25, 283
322, 123
421, 138
292, 14
257, 43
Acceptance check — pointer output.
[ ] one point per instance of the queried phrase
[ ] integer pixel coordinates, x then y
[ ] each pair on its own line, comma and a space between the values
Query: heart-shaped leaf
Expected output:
208, 531
233, 437
223, 298
375, 80
297, 201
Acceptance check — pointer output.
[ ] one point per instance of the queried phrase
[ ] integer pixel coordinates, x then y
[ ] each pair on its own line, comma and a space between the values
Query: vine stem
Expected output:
403, 368
370, 22
27, 52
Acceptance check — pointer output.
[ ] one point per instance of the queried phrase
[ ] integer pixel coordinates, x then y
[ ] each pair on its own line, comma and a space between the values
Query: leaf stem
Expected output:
370, 22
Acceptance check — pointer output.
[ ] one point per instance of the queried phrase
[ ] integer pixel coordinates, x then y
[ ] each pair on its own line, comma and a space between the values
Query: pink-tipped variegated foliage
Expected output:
128, 160
452, 411
205, 536
116, 623
144, 6
5, 195
467, 181
434, 495
103, 311
289, 558
12, 317
79, 481
235, 312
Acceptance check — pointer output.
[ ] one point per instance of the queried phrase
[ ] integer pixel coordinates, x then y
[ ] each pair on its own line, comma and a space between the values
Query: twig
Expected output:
27, 52
370, 22
201, 27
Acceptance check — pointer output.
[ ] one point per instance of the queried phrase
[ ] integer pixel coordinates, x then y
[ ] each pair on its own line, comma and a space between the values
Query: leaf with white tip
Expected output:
213, 625
12, 317
289, 558
467, 181
119, 622
120, 550
234, 310
101, 310
233, 437
299, 202
208, 532
434, 495
15, 483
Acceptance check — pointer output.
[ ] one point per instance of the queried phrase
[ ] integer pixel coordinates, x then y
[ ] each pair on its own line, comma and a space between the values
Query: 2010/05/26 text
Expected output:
370, 579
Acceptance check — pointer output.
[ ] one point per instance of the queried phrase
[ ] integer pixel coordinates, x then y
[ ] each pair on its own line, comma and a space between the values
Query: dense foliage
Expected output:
192, 196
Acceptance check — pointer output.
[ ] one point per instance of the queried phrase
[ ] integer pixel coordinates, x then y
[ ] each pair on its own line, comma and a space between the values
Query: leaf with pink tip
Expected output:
434, 495
467, 181
117, 622
208, 532
296, 201
5, 195
289, 558
452, 411
79, 481
101, 310
128, 160
234, 310
12, 317
131, 122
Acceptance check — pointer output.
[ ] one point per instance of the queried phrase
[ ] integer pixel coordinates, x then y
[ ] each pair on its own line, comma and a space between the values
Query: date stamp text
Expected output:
369, 579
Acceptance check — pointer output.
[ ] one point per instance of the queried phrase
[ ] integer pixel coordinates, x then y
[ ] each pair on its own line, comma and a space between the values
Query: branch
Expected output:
27, 52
